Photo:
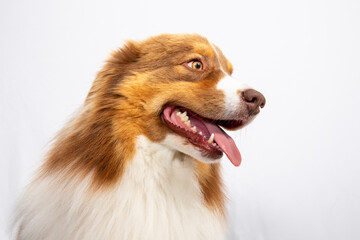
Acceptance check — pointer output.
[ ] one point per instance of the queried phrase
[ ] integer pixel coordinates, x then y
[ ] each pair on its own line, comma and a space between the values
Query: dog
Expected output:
141, 159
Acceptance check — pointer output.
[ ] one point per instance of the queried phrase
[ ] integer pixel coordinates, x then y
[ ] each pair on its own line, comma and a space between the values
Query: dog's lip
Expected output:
231, 124
213, 140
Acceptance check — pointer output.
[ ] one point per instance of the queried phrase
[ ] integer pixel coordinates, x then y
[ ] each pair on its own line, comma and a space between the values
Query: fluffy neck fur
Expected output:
159, 197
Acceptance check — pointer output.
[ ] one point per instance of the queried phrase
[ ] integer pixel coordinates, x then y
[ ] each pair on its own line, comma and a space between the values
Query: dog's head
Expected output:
176, 90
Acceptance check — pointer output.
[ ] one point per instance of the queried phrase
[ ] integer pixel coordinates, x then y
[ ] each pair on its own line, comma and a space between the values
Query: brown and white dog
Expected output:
141, 158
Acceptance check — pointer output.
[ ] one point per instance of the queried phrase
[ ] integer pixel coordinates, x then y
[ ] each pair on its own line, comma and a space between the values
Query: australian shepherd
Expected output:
141, 159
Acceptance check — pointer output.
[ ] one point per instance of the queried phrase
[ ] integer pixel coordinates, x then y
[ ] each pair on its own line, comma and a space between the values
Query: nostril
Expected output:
253, 98
263, 102
250, 96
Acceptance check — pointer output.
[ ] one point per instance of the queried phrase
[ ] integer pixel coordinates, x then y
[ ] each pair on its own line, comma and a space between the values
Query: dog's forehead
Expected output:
209, 50
175, 43
186, 44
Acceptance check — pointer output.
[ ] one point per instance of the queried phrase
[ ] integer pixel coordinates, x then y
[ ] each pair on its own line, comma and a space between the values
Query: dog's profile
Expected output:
140, 160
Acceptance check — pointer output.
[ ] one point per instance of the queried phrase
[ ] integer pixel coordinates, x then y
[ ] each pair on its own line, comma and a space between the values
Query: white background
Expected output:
300, 176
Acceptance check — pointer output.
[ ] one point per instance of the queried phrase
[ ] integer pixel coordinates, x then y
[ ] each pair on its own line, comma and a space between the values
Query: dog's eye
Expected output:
196, 65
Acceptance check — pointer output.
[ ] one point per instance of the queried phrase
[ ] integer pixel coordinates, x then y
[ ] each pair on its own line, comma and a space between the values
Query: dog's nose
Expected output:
253, 100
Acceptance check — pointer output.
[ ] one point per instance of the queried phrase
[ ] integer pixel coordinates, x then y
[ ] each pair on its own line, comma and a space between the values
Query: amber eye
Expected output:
196, 65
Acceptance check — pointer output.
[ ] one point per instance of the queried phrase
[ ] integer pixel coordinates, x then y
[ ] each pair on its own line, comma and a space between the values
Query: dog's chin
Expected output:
178, 143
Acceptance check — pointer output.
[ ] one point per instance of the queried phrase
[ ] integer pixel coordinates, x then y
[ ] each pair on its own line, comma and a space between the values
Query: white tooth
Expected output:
201, 133
184, 118
184, 114
211, 139
193, 128
178, 113
187, 123
214, 144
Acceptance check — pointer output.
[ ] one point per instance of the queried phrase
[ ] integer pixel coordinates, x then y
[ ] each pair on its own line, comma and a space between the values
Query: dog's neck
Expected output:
162, 183
156, 166
159, 196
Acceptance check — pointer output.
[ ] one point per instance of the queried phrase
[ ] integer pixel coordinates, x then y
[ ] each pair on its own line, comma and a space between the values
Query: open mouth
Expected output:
204, 133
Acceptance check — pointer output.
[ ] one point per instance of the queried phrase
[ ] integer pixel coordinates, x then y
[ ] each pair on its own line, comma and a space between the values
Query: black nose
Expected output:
253, 100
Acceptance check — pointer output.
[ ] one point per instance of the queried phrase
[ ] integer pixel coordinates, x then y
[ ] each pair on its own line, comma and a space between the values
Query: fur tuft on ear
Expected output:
115, 68
127, 54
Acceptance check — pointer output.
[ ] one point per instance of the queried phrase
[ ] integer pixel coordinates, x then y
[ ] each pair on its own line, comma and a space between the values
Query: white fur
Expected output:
232, 89
178, 143
158, 197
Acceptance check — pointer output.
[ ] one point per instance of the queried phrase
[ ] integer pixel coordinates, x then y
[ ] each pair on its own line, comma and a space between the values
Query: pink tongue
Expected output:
225, 142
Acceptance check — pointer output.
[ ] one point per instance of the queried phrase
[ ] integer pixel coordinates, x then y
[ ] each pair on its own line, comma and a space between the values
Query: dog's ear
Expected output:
116, 67
127, 54
122, 60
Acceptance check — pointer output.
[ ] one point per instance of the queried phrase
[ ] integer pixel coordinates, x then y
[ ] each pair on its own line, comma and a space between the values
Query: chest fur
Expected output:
159, 197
